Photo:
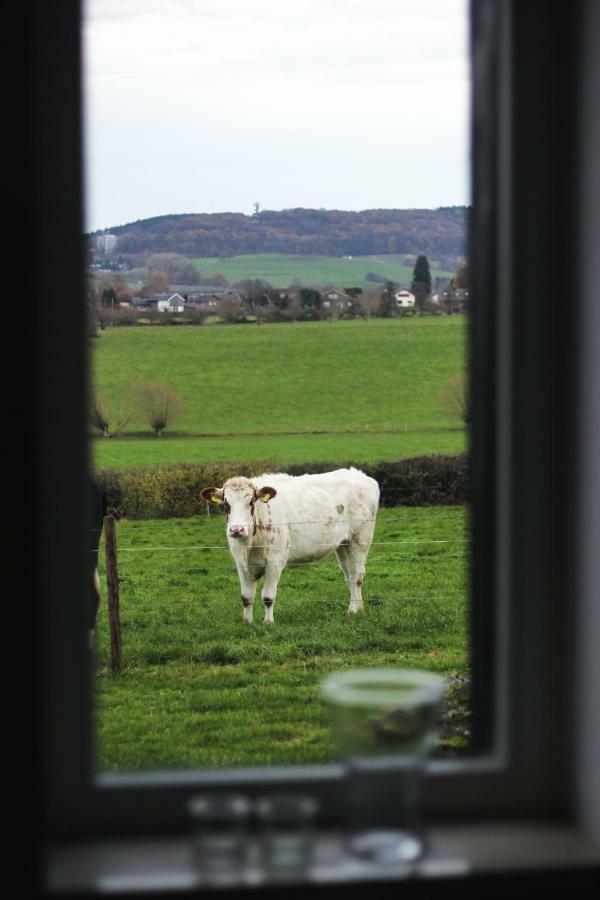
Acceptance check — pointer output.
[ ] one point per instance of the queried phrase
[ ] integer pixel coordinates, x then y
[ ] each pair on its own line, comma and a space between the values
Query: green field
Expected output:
200, 688
281, 270
370, 389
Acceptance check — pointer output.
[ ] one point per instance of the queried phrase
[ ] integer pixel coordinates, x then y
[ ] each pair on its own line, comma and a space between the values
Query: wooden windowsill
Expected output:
166, 864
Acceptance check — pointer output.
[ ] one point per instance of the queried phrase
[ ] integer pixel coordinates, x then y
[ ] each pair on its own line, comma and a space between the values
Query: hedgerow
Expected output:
174, 491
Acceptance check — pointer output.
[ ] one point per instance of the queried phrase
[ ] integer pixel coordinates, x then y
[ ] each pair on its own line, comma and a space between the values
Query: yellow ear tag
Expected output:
266, 498
215, 499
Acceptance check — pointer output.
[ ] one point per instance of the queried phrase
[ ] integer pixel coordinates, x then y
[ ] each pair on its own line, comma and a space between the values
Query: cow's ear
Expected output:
215, 495
266, 493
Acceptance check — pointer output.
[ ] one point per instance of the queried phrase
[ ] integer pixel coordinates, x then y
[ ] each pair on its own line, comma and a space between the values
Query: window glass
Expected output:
277, 281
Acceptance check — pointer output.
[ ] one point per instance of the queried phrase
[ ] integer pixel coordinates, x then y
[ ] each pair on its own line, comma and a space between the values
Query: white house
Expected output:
172, 303
404, 299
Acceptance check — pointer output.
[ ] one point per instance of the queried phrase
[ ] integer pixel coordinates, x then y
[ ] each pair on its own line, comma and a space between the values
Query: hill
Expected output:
438, 233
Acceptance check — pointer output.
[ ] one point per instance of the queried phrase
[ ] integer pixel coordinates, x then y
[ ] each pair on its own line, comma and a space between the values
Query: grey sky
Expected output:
213, 105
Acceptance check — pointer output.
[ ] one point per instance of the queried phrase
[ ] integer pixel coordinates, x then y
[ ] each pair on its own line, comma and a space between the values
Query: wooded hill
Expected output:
438, 233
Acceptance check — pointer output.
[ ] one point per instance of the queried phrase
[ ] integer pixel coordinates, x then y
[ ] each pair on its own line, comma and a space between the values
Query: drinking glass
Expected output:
384, 723
220, 832
286, 834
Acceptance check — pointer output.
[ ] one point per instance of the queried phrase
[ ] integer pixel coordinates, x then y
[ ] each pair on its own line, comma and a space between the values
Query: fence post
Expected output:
112, 583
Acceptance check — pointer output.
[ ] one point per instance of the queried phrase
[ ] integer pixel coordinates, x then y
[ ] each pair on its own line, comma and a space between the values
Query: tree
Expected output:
230, 310
310, 298
92, 304
454, 397
100, 416
187, 273
421, 282
255, 291
156, 404
122, 292
386, 300
156, 283
368, 304
462, 277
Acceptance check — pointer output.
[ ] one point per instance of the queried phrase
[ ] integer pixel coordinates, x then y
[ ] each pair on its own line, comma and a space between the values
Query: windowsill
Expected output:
159, 864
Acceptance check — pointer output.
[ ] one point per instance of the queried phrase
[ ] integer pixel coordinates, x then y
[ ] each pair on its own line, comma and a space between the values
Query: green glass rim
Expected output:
365, 687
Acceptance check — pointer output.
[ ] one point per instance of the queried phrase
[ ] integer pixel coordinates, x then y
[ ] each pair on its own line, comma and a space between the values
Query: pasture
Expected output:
343, 391
282, 270
201, 689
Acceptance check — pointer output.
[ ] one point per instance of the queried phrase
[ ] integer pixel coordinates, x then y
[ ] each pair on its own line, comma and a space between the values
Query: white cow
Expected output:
276, 520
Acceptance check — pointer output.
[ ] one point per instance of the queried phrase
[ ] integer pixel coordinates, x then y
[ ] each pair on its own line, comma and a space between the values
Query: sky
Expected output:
200, 106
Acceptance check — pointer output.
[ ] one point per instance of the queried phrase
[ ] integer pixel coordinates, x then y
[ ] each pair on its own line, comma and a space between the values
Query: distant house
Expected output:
454, 300
277, 295
165, 302
441, 283
208, 297
333, 297
172, 303
404, 299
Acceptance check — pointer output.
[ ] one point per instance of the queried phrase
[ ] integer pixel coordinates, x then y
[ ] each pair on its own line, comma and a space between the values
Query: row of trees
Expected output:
146, 402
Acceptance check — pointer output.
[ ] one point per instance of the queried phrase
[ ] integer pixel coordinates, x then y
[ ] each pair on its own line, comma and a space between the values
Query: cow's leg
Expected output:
94, 604
248, 590
269, 591
351, 558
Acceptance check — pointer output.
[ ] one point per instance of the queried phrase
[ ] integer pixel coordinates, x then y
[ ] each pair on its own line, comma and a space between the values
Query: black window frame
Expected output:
522, 534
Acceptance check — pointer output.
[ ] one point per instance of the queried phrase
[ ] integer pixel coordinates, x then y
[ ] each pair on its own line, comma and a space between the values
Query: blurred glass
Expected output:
286, 833
220, 836
384, 719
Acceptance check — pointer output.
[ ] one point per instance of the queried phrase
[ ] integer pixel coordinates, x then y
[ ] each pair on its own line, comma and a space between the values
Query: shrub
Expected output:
100, 417
156, 404
174, 491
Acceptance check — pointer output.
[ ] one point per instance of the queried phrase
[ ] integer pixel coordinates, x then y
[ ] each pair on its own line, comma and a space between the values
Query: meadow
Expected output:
281, 270
199, 688
310, 391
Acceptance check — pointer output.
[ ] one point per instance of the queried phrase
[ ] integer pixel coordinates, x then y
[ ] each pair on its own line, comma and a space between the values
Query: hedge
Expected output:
173, 491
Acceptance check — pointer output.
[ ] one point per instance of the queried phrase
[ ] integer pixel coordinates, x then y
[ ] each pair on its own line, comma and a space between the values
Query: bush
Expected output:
174, 491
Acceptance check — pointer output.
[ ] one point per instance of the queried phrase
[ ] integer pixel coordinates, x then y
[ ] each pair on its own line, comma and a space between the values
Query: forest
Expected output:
438, 233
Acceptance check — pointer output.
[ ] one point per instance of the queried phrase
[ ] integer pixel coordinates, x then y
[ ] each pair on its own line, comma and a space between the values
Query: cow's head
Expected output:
239, 497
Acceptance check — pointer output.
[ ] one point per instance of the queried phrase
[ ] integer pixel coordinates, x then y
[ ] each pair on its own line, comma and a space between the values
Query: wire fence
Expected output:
370, 562
433, 552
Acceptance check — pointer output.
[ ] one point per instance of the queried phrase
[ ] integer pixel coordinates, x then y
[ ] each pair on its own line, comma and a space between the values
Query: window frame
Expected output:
520, 699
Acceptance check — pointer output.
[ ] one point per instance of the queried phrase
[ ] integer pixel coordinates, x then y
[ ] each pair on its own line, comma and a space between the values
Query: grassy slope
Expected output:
200, 688
369, 376
280, 270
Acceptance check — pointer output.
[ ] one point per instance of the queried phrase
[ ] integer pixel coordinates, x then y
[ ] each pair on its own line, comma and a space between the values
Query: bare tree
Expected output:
157, 404
156, 283
100, 417
454, 397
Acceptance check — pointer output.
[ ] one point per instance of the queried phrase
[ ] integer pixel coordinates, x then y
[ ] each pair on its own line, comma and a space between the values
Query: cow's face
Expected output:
239, 497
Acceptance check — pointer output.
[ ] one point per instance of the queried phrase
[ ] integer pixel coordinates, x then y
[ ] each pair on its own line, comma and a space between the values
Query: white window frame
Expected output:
523, 548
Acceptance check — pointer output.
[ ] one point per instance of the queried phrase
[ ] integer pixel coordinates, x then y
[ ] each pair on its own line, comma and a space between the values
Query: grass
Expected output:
372, 388
201, 689
361, 449
281, 270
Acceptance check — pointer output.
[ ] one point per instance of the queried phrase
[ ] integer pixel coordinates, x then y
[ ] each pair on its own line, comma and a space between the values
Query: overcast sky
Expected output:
214, 105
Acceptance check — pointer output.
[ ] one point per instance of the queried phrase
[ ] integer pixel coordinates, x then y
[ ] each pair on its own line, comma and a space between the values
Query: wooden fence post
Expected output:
112, 583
